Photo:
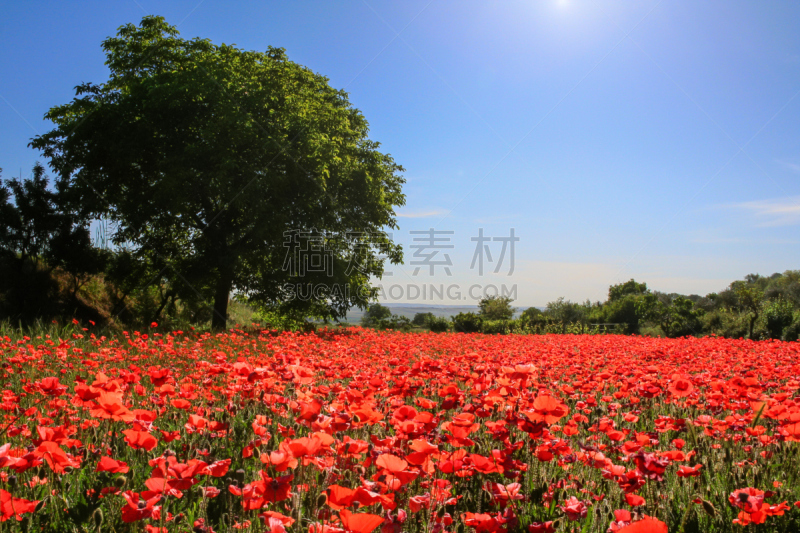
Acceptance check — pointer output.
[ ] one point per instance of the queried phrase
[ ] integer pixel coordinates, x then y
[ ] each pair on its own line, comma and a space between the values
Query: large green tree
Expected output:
212, 158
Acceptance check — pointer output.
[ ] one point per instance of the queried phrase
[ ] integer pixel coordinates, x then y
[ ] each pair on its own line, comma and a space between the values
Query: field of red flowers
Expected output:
360, 431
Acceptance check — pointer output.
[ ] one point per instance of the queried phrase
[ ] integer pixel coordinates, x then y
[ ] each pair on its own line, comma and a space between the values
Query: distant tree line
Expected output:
757, 307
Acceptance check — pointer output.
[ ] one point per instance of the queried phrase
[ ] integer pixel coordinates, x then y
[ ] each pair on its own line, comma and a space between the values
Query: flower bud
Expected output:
709, 508
97, 518
322, 499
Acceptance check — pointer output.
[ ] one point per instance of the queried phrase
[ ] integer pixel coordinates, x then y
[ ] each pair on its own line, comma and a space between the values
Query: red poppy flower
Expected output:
107, 464
282, 459
748, 500
217, 468
634, 500
210, 492
503, 494
646, 525
11, 507
391, 463
109, 406
622, 518
285, 520
339, 497
680, 387
180, 403
650, 465
51, 387
139, 508
482, 522
574, 509
359, 522
542, 527
305, 446
56, 458
140, 439
266, 490
689, 471
547, 409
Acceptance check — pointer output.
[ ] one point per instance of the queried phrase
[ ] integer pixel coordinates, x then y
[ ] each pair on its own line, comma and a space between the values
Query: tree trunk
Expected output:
220, 317
164, 300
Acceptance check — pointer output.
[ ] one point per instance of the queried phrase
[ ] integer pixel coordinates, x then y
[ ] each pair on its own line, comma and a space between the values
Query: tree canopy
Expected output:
496, 308
212, 160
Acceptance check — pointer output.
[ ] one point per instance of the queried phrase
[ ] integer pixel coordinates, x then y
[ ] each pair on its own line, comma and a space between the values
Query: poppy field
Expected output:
358, 431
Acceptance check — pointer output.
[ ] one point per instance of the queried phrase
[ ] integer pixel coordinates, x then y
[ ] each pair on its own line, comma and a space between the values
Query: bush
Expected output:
422, 319
651, 331
500, 327
531, 314
778, 316
438, 324
272, 319
375, 314
792, 333
726, 323
467, 323
395, 322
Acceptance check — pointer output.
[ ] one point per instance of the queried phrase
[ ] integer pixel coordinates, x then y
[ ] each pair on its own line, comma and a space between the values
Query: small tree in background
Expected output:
750, 299
496, 308
629, 288
565, 311
677, 317
374, 314
32, 219
422, 319
39, 233
531, 313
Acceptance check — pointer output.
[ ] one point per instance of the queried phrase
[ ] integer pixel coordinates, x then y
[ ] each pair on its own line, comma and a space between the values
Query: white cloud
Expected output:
423, 214
774, 212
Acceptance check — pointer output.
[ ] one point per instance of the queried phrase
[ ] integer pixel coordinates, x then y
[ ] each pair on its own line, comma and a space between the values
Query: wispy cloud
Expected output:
736, 240
422, 214
775, 212
497, 219
794, 167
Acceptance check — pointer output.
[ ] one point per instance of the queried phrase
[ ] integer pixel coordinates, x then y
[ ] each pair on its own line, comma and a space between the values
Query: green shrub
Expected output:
727, 323
792, 332
272, 319
500, 327
375, 314
467, 323
422, 319
438, 324
778, 316
395, 322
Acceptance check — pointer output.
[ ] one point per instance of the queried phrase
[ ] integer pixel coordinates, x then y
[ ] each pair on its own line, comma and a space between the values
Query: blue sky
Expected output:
649, 140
